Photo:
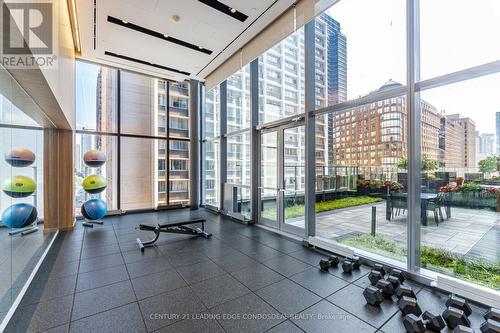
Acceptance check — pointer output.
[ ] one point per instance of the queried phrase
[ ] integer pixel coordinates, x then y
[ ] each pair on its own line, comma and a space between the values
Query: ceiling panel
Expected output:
199, 24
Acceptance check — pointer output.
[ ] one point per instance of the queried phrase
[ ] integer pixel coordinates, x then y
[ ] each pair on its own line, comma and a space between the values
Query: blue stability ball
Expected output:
94, 209
20, 157
19, 215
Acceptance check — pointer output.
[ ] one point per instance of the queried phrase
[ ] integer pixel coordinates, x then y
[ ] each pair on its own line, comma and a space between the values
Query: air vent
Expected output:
111, 54
221, 7
156, 34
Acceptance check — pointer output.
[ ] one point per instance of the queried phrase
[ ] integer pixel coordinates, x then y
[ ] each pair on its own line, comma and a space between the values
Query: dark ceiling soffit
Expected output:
156, 34
111, 54
221, 7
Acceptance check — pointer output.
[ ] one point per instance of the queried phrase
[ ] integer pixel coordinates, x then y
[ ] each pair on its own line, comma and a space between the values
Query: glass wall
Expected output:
211, 184
22, 238
143, 131
389, 160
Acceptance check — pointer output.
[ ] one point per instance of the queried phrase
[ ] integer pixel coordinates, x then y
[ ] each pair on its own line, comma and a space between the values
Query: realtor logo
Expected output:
28, 34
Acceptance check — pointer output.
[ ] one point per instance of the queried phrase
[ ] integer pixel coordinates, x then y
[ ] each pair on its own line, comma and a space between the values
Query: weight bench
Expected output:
174, 228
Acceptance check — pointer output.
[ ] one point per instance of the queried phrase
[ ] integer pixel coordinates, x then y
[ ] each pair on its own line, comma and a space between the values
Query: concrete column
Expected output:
194, 133
223, 140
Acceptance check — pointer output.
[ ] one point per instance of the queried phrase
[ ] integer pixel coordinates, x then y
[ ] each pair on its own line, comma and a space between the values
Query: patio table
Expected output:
425, 200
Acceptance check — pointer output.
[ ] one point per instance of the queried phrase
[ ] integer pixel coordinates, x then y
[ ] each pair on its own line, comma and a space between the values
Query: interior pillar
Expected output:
194, 133
58, 203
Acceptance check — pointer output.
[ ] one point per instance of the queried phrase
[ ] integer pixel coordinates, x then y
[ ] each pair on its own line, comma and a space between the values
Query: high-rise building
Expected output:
497, 128
485, 145
336, 69
451, 143
469, 146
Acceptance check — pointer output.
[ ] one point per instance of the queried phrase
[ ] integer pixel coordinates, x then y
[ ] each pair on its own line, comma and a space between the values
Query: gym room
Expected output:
249, 166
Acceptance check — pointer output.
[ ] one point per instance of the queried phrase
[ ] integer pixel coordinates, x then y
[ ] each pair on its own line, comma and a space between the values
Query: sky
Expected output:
86, 79
455, 34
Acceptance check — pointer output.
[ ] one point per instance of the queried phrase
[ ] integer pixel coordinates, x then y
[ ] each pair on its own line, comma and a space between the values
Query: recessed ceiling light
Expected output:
201, 48
176, 18
126, 22
165, 35
233, 10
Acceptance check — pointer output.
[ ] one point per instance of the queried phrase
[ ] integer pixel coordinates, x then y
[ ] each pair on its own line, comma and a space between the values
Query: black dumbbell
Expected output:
490, 326
325, 265
386, 288
459, 303
430, 321
347, 266
374, 276
380, 268
373, 295
355, 262
462, 329
394, 281
409, 305
454, 317
404, 291
492, 313
399, 274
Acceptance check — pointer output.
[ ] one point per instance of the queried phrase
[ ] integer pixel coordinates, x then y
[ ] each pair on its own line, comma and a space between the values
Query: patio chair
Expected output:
435, 206
398, 205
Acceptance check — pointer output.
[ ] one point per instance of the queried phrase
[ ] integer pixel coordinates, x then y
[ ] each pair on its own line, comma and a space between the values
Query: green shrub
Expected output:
473, 270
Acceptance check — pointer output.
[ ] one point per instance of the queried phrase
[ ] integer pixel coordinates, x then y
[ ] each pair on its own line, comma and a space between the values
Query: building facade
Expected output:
485, 145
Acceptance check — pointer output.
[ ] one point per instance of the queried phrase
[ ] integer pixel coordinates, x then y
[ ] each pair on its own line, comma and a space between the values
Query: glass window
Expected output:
108, 146
211, 173
238, 100
460, 179
461, 38
349, 71
179, 172
271, 87
238, 159
212, 113
138, 110
362, 172
96, 97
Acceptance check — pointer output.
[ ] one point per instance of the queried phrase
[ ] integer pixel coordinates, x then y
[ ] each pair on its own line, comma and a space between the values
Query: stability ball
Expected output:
20, 157
94, 158
19, 186
19, 215
94, 184
94, 209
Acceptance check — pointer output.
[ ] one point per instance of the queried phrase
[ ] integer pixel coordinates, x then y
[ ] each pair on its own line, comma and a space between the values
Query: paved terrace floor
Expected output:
470, 232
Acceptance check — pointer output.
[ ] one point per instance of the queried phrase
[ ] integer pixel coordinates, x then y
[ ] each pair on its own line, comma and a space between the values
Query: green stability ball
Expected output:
94, 184
19, 186
20, 157
94, 158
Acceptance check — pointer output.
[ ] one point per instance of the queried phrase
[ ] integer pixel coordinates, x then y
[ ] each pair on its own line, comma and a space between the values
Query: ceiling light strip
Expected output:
159, 35
222, 7
111, 54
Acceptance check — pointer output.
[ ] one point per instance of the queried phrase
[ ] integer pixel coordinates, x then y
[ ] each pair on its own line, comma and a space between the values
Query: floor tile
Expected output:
353, 276
234, 262
124, 319
194, 326
101, 299
352, 300
200, 271
308, 255
41, 316
102, 277
247, 313
288, 297
149, 266
326, 317
257, 276
157, 283
218, 290
100, 251
286, 265
168, 308
94, 264
319, 282
59, 329
285, 327
49, 288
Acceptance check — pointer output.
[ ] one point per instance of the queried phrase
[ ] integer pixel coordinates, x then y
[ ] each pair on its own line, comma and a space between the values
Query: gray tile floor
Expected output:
244, 279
